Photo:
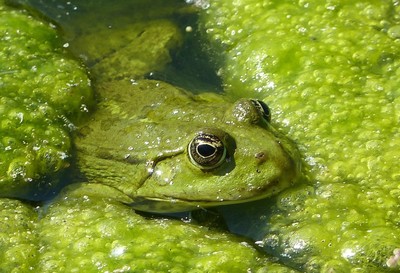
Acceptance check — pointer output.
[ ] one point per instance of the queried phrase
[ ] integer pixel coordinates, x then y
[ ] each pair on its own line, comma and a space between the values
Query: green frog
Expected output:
170, 150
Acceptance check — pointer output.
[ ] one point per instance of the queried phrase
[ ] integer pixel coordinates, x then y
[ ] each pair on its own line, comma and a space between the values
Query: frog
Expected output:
170, 150
167, 148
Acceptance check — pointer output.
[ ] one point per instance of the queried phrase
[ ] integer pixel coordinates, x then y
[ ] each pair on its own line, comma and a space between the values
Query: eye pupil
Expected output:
206, 150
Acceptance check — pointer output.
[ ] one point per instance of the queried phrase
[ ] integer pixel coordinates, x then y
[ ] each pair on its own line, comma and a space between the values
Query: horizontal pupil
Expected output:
206, 150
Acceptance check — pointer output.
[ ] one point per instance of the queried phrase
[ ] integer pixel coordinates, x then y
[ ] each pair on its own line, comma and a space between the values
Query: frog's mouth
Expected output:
157, 205
173, 205
166, 203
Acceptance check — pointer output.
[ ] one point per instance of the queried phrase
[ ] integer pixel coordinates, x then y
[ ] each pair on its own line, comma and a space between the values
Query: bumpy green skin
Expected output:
87, 229
108, 236
330, 71
43, 92
137, 142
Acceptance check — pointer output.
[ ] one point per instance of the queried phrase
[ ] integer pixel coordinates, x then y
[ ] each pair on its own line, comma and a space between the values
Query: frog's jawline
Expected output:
158, 205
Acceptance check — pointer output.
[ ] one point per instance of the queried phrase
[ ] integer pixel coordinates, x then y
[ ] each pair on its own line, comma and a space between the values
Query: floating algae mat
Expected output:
330, 72
39, 106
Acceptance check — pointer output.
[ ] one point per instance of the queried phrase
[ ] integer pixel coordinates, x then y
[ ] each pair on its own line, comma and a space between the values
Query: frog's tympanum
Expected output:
170, 150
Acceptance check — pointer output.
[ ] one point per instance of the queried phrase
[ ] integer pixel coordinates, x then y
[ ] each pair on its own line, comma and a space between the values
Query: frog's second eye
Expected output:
251, 111
262, 108
206, 151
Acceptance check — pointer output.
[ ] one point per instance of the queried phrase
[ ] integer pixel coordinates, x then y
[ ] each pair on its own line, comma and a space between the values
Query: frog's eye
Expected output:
206, 151
262, 108
251, 111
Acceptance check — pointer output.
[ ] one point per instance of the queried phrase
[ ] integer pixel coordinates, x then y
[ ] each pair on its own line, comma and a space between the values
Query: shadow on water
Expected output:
191, 67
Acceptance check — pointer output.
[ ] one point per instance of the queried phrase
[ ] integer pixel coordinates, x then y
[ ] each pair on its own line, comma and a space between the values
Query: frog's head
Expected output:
171, 151
237, 159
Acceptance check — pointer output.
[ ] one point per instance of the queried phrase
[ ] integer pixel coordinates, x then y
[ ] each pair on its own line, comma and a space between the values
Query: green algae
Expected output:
108, 237
128, 40
89, 228
43, 94
330, 72
18, 240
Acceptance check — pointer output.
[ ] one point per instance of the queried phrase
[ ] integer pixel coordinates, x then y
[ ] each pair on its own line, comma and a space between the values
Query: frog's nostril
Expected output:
261, 157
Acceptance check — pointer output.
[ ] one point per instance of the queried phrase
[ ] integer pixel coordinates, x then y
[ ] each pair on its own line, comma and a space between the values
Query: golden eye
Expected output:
206, 151
263, 109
